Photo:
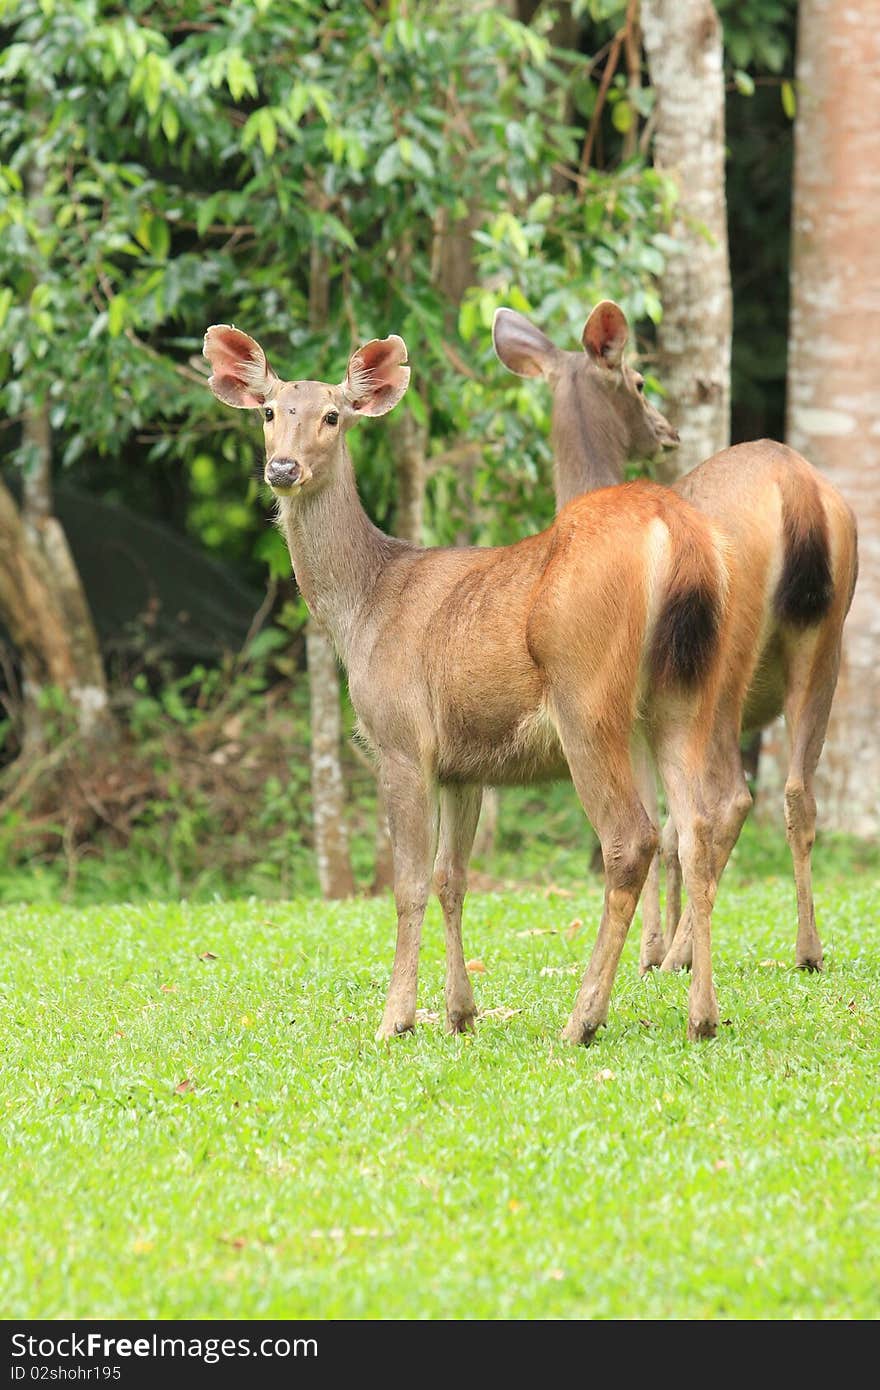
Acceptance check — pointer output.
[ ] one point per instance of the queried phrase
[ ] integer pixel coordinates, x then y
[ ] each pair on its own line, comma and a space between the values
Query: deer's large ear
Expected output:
605, 333
520, 346
377, 376
241, 375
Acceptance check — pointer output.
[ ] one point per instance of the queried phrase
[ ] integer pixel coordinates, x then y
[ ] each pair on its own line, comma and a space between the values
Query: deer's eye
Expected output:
332, 417
268, 413
640, 383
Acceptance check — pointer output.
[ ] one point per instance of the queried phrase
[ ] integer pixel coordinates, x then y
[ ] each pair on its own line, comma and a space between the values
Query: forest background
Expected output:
320, 174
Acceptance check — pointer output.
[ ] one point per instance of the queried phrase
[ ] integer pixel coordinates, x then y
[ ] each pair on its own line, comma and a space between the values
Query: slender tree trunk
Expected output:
683, 42
332, 851
409, 443
328, 786
833, 401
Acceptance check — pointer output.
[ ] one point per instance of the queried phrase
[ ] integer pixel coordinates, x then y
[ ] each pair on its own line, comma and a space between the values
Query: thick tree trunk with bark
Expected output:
683, 43
43, 605
42, 601
833, 399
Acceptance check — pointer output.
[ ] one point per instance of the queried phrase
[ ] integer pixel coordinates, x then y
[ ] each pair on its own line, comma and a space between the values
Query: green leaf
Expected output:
387, 165
468, 318
170, 123
240, 76
271, 547
116, 314
518, 300
417, 158
622, 116
653, 307
159, 238
261, 126
789, 100
744, 83
206, 213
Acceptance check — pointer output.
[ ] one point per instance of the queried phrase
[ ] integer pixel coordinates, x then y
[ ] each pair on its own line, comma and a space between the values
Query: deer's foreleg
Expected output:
411, 804
459, 813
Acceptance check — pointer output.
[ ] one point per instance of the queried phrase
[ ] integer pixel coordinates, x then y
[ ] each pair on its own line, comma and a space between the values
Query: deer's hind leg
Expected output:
672, 870
459, 813
604, 779
726, 801
812, 678
652, 947
708, 802
412, 806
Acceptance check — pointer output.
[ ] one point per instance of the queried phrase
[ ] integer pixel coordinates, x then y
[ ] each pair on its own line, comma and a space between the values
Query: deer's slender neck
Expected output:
337, 553
588, 436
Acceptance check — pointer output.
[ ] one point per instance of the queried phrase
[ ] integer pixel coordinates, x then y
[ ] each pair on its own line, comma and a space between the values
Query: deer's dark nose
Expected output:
283, 473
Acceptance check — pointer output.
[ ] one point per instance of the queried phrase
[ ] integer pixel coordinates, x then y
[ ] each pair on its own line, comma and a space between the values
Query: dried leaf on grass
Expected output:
187, 1084
476, 967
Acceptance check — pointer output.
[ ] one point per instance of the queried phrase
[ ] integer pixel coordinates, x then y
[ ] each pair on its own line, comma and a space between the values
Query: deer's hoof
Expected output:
652, 960
460, 1020
579, 1034
700, 1029
812, 964
675, 961
390, 1028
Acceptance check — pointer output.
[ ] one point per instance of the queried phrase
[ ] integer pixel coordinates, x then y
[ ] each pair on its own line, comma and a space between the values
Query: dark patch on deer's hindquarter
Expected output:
685, 637
806, 587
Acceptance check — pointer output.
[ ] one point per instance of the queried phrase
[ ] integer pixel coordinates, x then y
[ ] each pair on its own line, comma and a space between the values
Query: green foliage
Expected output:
163, 167
758, 34
217, 1135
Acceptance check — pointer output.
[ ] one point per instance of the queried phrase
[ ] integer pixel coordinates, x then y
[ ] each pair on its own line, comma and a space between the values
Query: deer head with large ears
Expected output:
596, 388
304, 421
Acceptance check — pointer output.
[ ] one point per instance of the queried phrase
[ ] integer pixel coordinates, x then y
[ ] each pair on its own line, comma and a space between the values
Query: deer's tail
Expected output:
806, 585
687, 630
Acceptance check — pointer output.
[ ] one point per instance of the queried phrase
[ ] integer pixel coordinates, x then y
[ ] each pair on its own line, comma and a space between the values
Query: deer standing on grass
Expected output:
794, 540
514, 664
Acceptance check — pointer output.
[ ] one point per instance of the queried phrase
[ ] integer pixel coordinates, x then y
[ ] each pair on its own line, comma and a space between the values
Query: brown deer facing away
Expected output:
793, 540
470, 667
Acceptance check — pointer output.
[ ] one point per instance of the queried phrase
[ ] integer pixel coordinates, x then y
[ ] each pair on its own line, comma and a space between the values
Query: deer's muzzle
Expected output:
283, 473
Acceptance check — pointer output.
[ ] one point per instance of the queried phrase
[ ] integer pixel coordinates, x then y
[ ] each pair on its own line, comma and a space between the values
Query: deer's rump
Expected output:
799, 535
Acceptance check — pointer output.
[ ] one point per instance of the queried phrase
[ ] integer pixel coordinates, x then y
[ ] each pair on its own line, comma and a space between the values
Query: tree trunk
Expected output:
328, 787
833, 402
683, 42
332, 852
43, 605
42, 601
409, 443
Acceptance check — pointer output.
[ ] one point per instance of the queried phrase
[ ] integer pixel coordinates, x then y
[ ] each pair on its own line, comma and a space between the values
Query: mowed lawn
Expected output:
222, 1137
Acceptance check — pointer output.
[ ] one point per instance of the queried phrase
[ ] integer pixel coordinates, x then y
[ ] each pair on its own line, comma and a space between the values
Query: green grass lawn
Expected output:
221, 1138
